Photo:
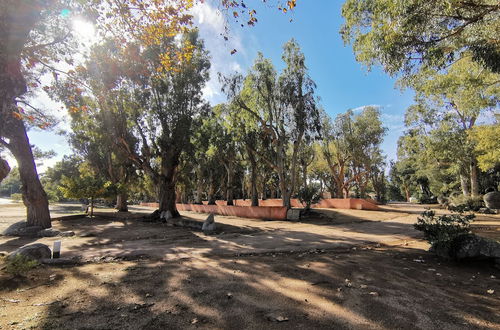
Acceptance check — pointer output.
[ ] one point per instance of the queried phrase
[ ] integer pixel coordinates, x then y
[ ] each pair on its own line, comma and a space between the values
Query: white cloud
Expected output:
212, 26
361, 108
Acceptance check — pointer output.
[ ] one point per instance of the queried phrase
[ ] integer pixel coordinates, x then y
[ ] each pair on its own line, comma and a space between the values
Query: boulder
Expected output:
492, 200
469, 246
293, 214
209, 224
21, 229
35, 251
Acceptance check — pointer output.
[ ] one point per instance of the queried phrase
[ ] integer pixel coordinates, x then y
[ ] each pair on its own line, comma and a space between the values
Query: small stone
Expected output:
68, 233
491, 291
229, 295
374, 293
148, 295
194, 321
363, 286
276, 318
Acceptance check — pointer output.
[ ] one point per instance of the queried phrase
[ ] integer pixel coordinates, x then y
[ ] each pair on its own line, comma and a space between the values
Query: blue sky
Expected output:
342, 82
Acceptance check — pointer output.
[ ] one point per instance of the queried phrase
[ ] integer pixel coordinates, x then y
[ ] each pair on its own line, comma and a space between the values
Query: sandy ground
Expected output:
347, 269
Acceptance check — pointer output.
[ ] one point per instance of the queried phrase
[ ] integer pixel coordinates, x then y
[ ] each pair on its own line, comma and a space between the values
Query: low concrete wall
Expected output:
257, 212
327, 203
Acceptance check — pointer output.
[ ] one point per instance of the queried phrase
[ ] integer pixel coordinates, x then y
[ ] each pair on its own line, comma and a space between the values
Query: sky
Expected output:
342, 83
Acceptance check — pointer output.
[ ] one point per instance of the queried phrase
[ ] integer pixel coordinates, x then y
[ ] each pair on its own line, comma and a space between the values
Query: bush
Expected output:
441, 230
19, 265
461, 203
309, 195
16, 197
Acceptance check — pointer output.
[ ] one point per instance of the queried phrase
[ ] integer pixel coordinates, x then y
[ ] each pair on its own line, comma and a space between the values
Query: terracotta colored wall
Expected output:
257, 212
330, 203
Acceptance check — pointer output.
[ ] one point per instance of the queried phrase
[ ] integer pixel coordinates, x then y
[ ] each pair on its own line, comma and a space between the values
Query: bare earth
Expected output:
346, 269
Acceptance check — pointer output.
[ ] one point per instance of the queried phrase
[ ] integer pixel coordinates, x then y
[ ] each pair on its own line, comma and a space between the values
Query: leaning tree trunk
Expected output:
34, 197
121, 202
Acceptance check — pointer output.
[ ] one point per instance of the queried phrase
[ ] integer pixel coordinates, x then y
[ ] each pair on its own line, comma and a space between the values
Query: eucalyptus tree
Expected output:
165, 104
454, 99
405, 36
284, 107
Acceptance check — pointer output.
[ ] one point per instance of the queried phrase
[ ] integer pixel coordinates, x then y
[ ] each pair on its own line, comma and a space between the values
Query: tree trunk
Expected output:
167, 196
464, 183
4, 169
474, 185
199, 192
34, 197
253, 183
121, 202
91, 207
211, 190
230, 189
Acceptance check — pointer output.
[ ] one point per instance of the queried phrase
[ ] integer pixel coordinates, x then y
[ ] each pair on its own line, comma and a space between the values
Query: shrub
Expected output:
441, 230
309, 195
16, 197
19, 265
461, 203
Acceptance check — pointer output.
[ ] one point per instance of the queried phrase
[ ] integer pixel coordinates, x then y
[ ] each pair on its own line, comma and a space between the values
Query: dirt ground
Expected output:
344, 269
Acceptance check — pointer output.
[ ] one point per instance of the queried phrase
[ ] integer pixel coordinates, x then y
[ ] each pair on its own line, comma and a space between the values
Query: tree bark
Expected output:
474, 184
464, 184
34, 197
121, 202
230, 188
211, 191
167, 195
253, 179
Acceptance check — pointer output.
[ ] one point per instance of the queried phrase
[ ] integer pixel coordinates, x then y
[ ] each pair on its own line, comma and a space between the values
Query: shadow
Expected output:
372, 288
254, 274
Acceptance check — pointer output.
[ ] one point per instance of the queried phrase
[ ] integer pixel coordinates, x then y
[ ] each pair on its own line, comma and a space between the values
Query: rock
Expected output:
276, 317
67, 233
35, 251
49, 232
485, 210
469, 246
293, 214
59, 262
209, 224
492, 200
20, 229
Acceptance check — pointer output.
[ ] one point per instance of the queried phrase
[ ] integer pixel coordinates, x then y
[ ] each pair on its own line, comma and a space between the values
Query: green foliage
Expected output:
487, 145
19, 265
309, 195
441, 230
461, 203
404, 36
52, 178
11, 184
17, 197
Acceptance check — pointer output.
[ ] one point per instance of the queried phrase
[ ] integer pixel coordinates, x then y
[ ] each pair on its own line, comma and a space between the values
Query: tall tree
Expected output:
404, 36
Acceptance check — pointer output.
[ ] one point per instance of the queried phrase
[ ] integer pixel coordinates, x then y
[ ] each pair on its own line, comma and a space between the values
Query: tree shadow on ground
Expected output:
377, 288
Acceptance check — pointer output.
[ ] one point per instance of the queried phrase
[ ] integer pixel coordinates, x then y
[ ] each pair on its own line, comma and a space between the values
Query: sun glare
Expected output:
84, 30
